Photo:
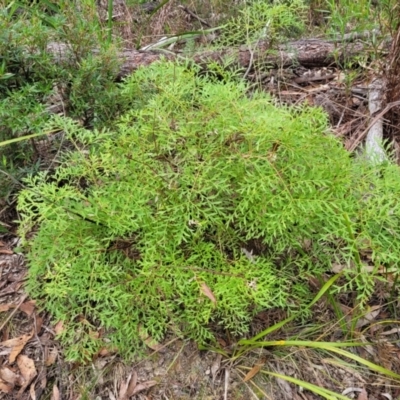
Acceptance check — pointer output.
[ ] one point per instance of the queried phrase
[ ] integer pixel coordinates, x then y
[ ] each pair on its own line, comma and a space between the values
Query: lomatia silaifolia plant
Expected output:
205, 204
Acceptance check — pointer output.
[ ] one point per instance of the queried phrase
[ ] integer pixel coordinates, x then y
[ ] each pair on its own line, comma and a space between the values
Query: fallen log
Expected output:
309, 53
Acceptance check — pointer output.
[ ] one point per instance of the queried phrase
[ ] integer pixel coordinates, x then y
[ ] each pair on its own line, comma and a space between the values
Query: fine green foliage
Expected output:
263, 20
33, 78
30, 67
349, 16
202, 206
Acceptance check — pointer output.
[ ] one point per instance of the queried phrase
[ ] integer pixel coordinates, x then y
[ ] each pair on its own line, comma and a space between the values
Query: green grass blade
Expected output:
266, 331
279, 325
369, 364
328, 394
305, 343
324, 288
335, 347
215, 350
22, 138
338, 312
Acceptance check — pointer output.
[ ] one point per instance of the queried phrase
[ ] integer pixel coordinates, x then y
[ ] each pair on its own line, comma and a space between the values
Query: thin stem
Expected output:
109, 21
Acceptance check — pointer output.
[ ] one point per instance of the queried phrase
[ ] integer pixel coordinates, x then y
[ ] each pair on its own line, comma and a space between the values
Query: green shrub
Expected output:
265, 20
31, 78
200, 190
88, 64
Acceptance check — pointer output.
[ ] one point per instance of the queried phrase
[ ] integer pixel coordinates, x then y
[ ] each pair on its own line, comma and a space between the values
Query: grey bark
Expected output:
307, 53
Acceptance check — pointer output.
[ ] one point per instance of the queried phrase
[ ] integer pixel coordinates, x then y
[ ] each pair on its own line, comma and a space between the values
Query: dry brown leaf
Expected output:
148, 340
27, 368
94, 334
6, 251
132, 384
363, 395
253, 372
17, 276
372, 350
5, 388
6, 307
32, 392
51, 357
391, 331
16, 344
222, 343
336, 268
208, 293
5, 334
105, 351
122, 391
9, 376
27, 307
144, 386
39, 323
28, 371
216, 365
12, 288
43, 379
369, 317
59, 327
126, 390
56, 393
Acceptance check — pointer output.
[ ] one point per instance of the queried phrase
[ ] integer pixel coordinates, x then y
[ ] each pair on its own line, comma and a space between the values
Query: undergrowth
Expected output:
202, 206
32, 78
268, 21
